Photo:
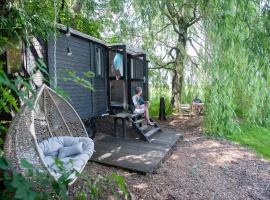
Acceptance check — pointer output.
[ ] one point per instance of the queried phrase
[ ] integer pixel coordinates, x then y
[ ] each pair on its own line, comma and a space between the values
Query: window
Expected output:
14, 60
132, 68
98, 62
3, 62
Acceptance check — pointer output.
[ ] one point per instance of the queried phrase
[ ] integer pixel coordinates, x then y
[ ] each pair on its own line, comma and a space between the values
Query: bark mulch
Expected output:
199, 168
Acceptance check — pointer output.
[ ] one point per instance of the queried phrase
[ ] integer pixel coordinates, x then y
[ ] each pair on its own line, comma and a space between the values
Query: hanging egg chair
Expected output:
50, 129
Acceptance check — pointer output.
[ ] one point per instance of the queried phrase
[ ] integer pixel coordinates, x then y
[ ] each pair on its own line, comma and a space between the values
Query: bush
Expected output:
41, 185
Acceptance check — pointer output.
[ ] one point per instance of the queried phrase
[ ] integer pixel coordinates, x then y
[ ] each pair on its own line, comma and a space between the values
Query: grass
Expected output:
154, 106
256, 138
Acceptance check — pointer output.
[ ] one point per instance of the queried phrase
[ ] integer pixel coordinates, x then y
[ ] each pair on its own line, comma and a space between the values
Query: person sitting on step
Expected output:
141, 106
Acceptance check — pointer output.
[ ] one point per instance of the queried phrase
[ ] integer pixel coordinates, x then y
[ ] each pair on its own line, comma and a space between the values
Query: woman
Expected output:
141, 107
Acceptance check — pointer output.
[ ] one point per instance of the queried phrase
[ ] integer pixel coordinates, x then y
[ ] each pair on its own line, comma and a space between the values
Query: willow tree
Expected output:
238, 72
167, 30
89, 16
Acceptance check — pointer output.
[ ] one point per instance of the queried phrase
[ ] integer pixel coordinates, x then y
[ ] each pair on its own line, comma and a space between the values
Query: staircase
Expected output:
144, 131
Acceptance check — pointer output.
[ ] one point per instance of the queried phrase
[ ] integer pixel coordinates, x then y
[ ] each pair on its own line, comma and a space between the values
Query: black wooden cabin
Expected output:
80, 52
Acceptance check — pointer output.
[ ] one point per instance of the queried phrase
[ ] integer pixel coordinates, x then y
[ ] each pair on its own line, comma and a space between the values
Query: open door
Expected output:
138, 75
128, 69
117, 82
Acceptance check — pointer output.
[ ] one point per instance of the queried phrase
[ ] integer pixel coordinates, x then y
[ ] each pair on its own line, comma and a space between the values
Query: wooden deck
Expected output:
136, 155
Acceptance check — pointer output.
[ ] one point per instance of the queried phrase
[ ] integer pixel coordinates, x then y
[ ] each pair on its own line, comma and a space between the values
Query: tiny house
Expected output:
79, 52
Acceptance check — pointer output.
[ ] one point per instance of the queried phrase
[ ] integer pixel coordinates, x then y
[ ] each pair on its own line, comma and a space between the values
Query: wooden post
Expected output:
162, 113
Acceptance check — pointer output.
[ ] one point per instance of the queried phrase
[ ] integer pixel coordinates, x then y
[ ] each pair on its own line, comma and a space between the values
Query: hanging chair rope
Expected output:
54, 53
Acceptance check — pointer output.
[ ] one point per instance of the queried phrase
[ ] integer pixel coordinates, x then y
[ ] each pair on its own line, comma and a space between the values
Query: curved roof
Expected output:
129, 48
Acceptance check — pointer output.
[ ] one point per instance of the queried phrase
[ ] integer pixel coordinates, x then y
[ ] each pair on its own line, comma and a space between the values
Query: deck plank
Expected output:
136, 155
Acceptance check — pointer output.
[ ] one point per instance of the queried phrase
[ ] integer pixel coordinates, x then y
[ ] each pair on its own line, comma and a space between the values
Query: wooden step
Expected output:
138, 121
151, 132
134, 115
144, 127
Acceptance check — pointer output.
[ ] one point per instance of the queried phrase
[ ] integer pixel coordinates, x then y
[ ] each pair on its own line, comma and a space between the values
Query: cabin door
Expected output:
117, 80
138, 76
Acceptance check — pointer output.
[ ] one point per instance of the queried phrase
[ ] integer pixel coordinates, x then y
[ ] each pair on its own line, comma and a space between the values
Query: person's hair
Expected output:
138, 89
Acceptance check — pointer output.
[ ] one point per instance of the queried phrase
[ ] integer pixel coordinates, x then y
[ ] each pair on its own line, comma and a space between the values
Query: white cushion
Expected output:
49, 160
70, 150
51, 147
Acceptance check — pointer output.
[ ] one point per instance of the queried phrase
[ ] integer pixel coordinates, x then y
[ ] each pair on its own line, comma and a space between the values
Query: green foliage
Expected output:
10, 88
7, 101
92, 17
88, 26
41, 185
154, 106
19, 19
100, 187
256, 138
237, 65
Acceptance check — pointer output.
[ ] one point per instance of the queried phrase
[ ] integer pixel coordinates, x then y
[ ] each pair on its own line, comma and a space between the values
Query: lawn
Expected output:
256, 138
154, 106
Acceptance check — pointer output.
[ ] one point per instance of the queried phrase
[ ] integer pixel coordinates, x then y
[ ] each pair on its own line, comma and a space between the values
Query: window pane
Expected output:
116, 64
132, 68
98, 61
14, 60
117, 90
3, 62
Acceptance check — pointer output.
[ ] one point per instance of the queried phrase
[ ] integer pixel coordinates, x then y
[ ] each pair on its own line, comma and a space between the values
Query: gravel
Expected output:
199, 168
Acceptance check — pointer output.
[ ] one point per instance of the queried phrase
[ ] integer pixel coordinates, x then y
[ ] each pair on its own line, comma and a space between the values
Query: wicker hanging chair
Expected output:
50, 116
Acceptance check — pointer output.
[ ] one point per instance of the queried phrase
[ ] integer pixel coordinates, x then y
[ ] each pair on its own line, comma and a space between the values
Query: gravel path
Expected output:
200, 168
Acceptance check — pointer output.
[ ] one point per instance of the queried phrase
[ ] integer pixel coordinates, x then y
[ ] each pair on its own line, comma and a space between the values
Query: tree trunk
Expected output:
162, 109
178, 73
175, 90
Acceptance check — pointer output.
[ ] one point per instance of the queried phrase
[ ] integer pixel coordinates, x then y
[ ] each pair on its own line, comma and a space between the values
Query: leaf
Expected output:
121, 182
22, 187
3, 163
24, 163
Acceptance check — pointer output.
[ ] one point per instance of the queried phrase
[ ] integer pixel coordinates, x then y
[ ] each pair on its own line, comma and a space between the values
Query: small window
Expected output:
14, 60
98, 62
3, 62
132, 68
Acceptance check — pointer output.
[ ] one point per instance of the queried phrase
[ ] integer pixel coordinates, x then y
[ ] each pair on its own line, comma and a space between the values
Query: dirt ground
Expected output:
199, 168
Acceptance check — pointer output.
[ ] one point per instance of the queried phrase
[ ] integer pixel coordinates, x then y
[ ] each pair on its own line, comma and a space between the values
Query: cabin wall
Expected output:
86, 103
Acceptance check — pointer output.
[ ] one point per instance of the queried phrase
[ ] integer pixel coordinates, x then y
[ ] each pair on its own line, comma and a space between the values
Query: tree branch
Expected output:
193, 21
195, 18
191, 44
162, 28
164, 66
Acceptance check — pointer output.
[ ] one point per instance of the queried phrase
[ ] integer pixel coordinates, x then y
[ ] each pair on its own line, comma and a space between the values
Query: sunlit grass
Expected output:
256, 138
154, 106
